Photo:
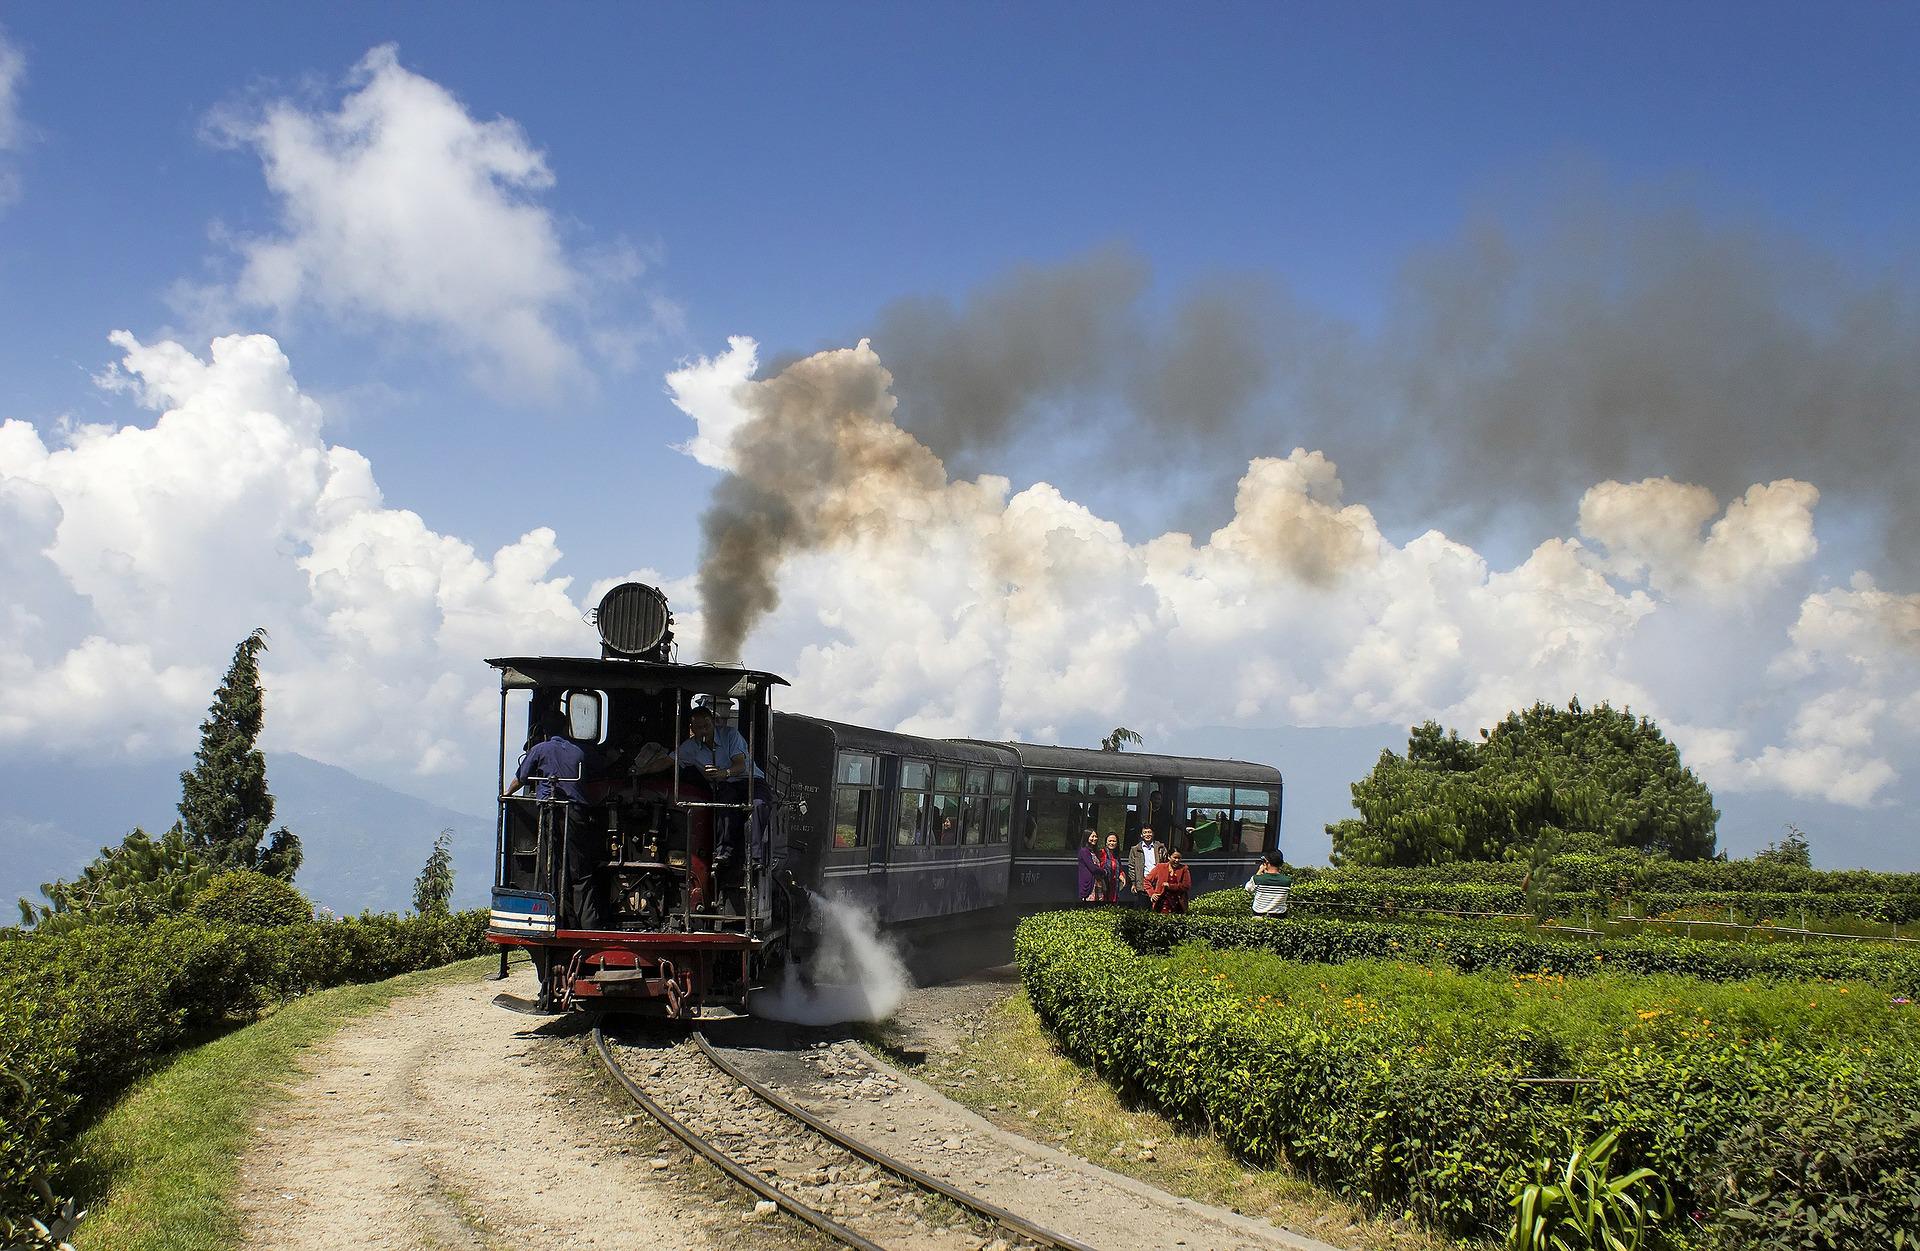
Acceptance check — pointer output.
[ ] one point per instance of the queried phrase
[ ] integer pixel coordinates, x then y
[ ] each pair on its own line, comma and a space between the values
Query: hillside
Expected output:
364, 841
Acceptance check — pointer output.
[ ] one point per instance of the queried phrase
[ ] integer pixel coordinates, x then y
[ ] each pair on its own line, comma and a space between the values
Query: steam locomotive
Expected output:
930, 835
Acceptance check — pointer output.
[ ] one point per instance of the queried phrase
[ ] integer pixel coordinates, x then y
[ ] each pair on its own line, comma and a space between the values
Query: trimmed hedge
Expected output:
1368, 1108
1470, 948
84, 1013
1598, 880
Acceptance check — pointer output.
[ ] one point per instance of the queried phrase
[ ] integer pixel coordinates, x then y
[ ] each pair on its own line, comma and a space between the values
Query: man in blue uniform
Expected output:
720, 753
556, 764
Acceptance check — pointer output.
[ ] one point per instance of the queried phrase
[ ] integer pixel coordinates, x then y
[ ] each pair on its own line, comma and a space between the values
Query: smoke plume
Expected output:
817, 457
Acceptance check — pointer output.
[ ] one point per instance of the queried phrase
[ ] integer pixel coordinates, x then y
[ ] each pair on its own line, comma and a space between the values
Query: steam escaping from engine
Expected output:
855, 974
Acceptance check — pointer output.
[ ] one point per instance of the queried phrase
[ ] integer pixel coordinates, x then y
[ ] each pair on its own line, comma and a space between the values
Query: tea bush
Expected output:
85, 1012
1828, 1174
1470, 948
1401, 1086
1598, 881
248, 897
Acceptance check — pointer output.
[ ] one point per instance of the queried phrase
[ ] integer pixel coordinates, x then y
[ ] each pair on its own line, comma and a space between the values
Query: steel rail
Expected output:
719, 1159
983, 1208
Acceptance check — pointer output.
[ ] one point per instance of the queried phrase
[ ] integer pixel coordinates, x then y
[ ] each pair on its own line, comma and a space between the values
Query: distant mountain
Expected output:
364, 842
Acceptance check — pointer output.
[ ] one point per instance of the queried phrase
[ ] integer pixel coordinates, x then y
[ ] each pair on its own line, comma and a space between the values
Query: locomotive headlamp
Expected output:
634, 622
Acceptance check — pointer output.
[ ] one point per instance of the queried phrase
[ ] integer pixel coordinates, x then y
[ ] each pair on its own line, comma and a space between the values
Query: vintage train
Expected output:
928, 834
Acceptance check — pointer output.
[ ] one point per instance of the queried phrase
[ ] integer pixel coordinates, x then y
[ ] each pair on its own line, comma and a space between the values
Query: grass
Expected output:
1010, 1071
162, 1162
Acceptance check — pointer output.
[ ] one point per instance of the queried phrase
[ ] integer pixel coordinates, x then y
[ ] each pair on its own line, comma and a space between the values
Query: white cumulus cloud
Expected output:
144, 552
399, 205
1652, 529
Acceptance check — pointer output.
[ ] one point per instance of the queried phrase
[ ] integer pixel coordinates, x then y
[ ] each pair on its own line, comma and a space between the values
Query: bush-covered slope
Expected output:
1428, 1099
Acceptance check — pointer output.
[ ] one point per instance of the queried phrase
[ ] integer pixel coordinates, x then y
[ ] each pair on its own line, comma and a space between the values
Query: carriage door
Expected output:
1159, 808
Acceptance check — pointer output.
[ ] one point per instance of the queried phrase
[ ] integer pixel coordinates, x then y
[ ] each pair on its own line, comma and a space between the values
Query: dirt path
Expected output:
443, 1122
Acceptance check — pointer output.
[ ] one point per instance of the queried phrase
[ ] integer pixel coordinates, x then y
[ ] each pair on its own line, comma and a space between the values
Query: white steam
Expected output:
855, 974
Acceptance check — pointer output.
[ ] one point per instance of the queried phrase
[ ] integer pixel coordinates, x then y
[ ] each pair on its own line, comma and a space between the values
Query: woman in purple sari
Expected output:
1093, 880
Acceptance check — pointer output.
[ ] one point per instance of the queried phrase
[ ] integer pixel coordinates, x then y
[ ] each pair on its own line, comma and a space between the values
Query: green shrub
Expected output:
84, 1013
247, 897
1830, 1173
1617, 879
1411, 1087
1471, 948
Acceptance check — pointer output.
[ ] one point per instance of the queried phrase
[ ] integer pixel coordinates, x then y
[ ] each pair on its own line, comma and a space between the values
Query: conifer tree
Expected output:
224, 801
433, 889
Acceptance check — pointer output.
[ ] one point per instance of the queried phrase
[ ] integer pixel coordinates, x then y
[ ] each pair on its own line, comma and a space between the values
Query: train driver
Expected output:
557, 763
720, 753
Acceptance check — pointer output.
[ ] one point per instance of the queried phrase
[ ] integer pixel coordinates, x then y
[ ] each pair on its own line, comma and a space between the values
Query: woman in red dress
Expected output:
1169, 883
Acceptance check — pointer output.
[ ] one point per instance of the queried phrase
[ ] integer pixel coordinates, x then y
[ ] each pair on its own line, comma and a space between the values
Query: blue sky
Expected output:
797, 167
789, 172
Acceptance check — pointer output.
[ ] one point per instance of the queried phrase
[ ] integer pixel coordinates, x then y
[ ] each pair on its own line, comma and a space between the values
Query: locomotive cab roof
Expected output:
526, 672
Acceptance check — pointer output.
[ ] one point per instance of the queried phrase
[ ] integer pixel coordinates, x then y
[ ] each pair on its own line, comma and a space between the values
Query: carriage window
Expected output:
1252, 811
1055, 812
916, 779
948, 778
1000, 811
852, 811
854, 769
1229, 820
855, 802
948, 817
977, 781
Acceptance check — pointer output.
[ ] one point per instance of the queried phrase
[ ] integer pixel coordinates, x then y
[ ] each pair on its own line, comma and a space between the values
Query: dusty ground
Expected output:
904, 1117
445, 1122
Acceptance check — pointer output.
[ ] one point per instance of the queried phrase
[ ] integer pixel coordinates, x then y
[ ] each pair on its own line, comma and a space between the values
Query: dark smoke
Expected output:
819, 459
1512, 370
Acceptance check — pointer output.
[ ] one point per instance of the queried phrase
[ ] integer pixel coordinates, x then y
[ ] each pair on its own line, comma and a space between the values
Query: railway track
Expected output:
847, 1189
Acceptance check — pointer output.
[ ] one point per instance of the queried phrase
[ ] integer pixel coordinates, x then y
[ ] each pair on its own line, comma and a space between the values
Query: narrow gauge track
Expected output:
904, 1177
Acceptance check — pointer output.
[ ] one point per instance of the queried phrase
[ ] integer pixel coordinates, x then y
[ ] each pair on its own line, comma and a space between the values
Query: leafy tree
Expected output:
1792, 848
1571, 778
224, 801
139, 881
1118, 740
433, 889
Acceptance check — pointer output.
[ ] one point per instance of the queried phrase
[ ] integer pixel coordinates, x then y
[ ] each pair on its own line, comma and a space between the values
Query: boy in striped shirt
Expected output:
1269, 888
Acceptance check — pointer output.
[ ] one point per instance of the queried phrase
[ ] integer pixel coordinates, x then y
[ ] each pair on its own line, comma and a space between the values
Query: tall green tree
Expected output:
224, 801
1577, 778
1120, 739
433, 889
